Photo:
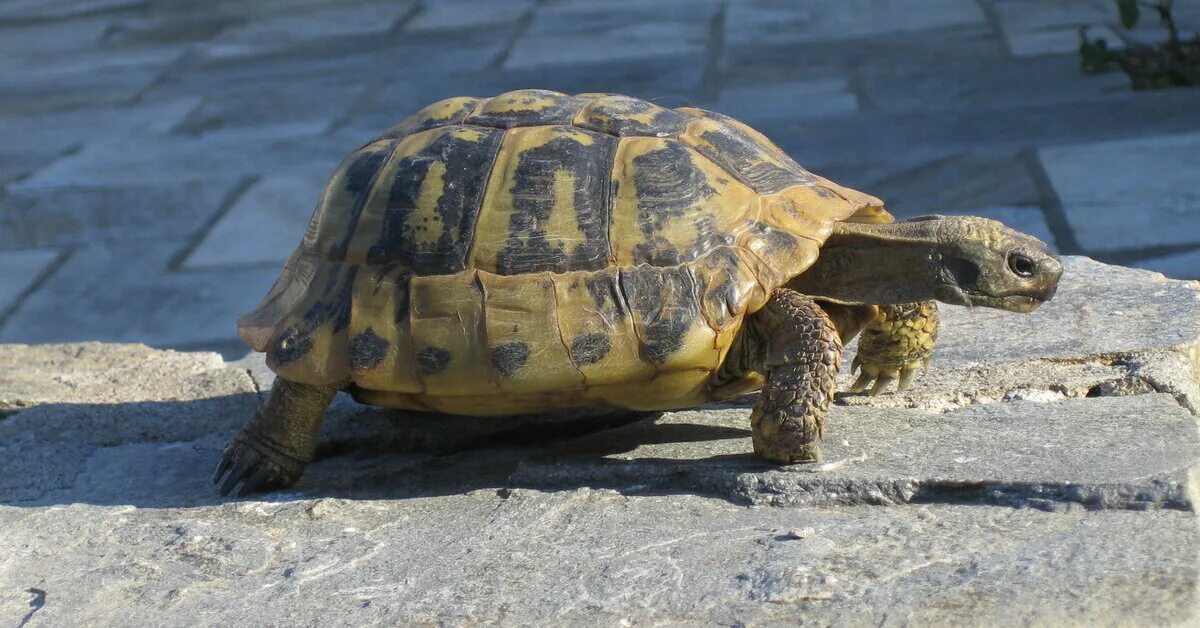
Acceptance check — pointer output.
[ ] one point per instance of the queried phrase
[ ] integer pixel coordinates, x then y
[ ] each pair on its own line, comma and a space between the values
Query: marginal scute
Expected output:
447, 316
380, 310
312, 345
525, 345
666, 316
591, 304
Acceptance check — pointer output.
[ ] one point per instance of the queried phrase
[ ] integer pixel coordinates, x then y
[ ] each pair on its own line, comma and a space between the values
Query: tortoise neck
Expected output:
875, 264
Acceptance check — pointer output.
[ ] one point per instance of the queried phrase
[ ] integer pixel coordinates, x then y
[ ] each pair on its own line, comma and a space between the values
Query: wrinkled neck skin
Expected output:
877, 264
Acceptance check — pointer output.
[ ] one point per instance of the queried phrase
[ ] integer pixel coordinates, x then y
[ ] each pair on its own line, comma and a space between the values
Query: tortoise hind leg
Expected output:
896, 346
277, 442
799, 351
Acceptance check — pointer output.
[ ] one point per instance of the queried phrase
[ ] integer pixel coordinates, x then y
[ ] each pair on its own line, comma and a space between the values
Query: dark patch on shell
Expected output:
590, 348
291, 345
529, 248
606, 292
367, 350
467, 166
749, 160
669, 186
432, 360
664, 301
509, 357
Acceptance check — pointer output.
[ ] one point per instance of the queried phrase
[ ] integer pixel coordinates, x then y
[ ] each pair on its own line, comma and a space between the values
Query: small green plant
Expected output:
1173, 63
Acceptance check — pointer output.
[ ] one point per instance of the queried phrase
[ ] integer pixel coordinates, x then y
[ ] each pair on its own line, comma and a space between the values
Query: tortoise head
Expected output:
983, 262
961, 260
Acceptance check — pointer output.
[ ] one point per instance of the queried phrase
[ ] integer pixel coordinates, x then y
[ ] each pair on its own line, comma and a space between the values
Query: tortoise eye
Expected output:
1021, 265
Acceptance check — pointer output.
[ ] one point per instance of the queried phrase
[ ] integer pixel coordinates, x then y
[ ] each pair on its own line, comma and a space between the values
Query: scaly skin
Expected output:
799, 350
275, 445
895, 346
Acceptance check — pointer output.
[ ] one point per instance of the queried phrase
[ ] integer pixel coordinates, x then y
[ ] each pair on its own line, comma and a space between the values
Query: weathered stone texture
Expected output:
989, 497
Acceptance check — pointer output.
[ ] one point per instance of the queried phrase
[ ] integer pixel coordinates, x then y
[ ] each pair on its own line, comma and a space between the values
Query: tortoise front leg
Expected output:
799, 351
896, 345
275, 445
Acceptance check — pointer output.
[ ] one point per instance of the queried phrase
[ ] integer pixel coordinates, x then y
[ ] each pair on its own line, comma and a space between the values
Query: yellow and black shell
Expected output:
538, 250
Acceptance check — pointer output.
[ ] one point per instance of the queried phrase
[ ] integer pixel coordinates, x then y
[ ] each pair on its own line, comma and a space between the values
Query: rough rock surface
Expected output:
1042, 472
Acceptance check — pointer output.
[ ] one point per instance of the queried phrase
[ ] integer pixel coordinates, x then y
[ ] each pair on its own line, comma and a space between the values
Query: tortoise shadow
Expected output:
161, 454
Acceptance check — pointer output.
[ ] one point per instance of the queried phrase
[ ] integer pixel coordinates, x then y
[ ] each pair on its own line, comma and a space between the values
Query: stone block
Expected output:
265, 224
280, 30
1128, 194
125, 292
955, 183
964, 510
446, 15
620, 45
1023, 453
816, 98
21, 271
1182, 265
771, 22
53, 9
984, 85
98, 78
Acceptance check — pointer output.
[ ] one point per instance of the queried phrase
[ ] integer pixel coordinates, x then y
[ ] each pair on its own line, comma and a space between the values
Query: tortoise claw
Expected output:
882, 384
253, 469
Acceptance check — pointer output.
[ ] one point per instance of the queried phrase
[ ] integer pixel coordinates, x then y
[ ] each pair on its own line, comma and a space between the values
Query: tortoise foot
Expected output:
257, 466
895, 347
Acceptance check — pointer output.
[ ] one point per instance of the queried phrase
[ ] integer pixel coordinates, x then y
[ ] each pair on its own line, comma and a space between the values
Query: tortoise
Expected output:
538, 251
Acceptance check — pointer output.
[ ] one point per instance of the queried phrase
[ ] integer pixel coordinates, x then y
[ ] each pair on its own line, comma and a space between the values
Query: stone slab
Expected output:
453, 538
18, 10
584, 556
1035, 28
59, 37
20, 271
279, 30
766, 22
984, 85
1128, 194
1183, 265
125, 292
921, 136
816, 98
618, 45
315, 101
264, 225
462, 14
100, 77
1019, 453
967, 180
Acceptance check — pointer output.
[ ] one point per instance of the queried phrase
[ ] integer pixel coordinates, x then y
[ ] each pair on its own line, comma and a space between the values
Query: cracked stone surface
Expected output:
1042, 472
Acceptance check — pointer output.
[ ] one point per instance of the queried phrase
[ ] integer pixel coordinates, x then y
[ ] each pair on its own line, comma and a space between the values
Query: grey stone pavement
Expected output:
1043, 472
159, 159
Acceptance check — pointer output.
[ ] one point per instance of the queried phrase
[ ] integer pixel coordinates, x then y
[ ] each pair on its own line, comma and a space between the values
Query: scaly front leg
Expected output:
895, 346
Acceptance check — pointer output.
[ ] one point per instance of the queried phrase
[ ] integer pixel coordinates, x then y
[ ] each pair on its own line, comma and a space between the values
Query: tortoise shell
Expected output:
538, 250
